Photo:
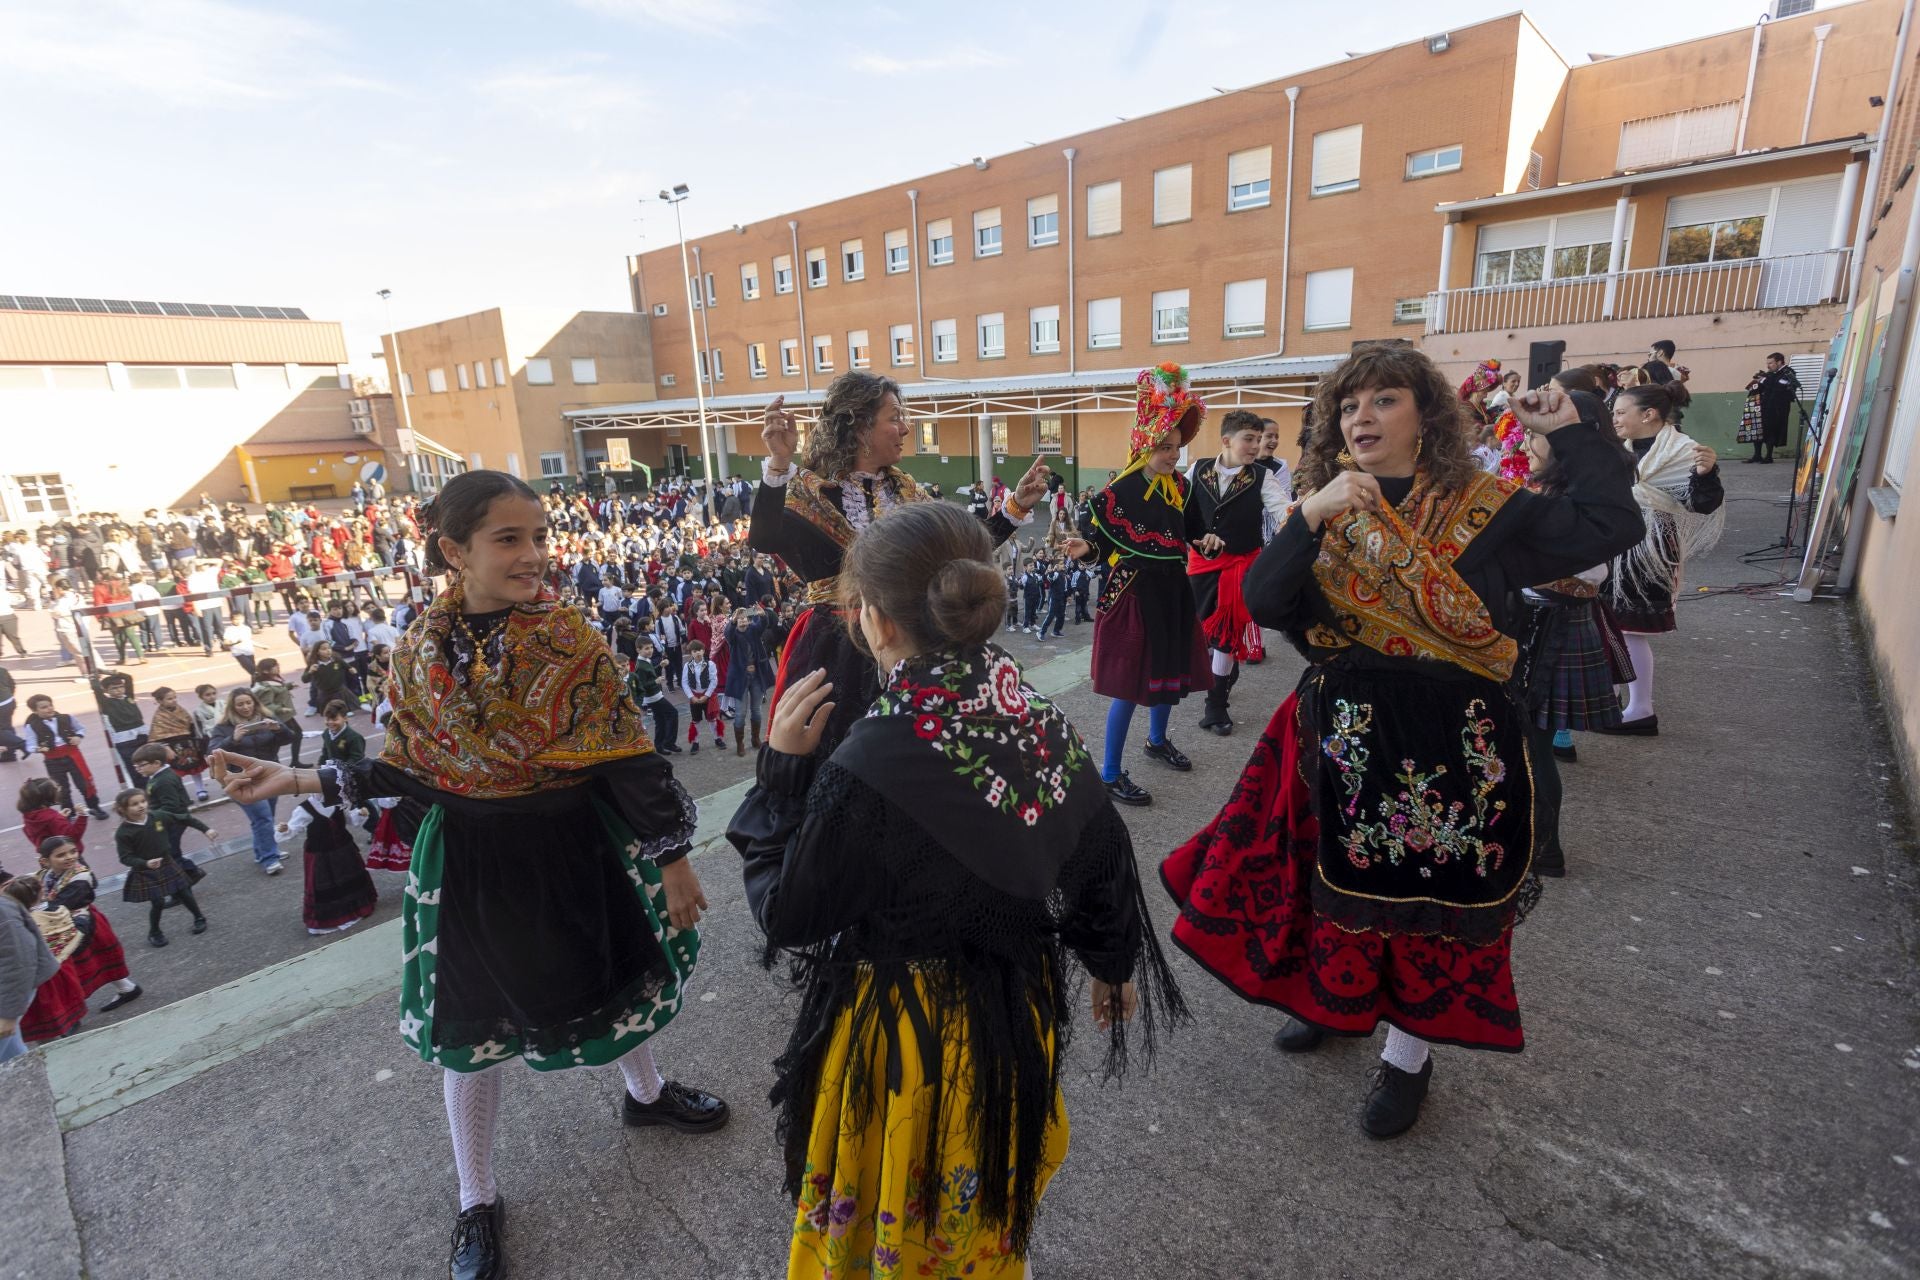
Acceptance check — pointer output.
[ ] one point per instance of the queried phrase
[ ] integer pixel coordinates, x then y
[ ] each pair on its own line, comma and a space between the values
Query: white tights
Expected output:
1409, 1053
473, 1113
1222, 662
1640, 692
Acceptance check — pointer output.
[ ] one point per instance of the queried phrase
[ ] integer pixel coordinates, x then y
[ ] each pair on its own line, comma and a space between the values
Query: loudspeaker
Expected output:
1543, 361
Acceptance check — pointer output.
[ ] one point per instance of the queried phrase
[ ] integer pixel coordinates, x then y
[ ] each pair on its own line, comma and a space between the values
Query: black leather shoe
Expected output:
678, 1107
1644, 727
1299, 1037
1125, 790
199, 924
1565, 753
1393, 1104
1169, 755
157, 939
477, 1234
124, 997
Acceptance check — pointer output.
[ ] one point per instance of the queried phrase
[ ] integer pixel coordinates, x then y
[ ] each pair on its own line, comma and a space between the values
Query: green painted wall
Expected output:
1714, 418
957, 470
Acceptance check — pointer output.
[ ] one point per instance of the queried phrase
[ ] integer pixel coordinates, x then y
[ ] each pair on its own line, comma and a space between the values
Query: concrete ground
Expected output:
1721, 1077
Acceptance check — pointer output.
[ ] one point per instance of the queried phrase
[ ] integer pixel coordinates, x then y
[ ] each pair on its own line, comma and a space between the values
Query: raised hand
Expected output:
1546, 409
1033, 485
780, 432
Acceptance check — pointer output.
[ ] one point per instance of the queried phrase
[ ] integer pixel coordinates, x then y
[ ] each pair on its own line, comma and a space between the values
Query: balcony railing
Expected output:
1652, 293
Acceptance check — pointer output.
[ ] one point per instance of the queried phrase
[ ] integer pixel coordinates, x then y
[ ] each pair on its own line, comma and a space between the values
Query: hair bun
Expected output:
966, 600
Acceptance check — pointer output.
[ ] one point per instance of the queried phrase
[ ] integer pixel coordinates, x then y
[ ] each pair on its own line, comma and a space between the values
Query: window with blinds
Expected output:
1043, 221
1170, 315
1678, 135
822, 353
1330, 299
749, 280
1250, 179
1043, 330
900, 342
816, 268
993, 335
1246, 308
1103, 210
946, 341
1103, 322
1336, 160
986, 233
756, 359
783, 274
1173, 195
853, 259
789, 355
940, 242
859, 354
897, 252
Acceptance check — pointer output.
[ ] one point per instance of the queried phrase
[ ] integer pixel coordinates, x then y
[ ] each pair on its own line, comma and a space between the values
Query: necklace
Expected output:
480, 642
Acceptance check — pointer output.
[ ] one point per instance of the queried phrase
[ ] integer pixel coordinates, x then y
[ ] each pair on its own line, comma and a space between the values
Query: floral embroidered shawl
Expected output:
992, 771
551, 706
808, 500
1391, 583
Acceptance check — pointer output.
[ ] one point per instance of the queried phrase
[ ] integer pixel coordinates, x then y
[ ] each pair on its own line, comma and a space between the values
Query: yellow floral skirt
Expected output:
867, 1206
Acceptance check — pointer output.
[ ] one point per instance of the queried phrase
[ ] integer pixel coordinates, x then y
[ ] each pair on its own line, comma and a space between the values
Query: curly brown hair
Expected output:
852, 406
1374, 366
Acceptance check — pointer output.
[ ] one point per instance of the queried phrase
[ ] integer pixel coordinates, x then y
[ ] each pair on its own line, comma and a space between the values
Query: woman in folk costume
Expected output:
930, 877
1148, 648
1371, 861
808, 515
1237, 499
1677, 483
1475, 389
549, 912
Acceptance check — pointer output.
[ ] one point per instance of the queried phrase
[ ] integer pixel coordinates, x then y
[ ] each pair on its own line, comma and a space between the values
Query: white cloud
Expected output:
577, 98
963, 58
184, 51
701, 17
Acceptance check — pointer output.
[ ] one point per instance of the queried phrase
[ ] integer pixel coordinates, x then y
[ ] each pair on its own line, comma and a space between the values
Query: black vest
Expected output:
1235, 516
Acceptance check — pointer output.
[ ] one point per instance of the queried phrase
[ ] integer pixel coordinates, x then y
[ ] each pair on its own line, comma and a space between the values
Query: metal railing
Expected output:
1651, 293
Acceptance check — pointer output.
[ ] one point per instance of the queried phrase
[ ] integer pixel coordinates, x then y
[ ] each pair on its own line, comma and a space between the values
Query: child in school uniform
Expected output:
153, 874
56, 736
338, 892
167, 801
126, 726
643, 681
328, 675
699, 681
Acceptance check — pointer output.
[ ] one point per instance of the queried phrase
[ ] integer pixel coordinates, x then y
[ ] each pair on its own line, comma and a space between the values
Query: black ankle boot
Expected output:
1299, 1037
1393, 1104
477, 1234
1215, 716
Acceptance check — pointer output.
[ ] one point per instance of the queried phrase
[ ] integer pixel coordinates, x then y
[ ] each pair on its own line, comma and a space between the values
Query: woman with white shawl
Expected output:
1677, 481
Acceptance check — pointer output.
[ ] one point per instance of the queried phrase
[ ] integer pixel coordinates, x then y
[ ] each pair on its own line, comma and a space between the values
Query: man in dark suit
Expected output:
1778, 387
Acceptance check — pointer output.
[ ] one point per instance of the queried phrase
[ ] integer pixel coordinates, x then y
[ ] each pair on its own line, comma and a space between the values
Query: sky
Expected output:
487, 153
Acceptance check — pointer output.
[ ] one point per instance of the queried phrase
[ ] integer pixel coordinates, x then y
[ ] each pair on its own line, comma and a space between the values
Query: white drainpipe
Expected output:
1286, 244
1073, 315
1746, 98
800, 301
1820, 34
922, 337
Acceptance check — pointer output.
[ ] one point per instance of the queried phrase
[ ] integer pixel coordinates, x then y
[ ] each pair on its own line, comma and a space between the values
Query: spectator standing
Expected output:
209, 615
1778, 388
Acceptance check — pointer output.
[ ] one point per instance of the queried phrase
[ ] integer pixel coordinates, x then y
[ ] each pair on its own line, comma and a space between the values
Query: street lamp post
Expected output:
399, 382
674, 197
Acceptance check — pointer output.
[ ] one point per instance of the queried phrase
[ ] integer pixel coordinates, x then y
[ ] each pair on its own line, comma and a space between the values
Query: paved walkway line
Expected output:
97, 1073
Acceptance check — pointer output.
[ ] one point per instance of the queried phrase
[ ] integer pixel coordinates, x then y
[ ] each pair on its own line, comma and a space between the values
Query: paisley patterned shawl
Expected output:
552, 705
1391, 583
807, 499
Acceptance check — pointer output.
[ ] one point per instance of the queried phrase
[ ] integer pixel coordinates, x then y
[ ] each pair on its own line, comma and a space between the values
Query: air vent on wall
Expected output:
659, 308
668, 380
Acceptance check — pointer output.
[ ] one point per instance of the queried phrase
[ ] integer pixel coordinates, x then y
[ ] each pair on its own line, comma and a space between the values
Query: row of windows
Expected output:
1336, 168
1049, 434
116, 376
585, 371
1329, 305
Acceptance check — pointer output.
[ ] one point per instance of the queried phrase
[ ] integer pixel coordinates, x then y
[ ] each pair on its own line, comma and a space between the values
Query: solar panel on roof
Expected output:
125, 307
224, 311
92, 306
200, 309
33, 304
175, 309
293, 313
8, 303
249, 313
62, 304
120, 307
148, 308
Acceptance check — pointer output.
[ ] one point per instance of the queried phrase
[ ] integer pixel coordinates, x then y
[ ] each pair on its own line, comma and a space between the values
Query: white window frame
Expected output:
859, 353
406, 383
437, 380
1172, 321
1329, 278
1040, 447
988, 238
1097, 338
756, 359
1410, 310
1166, 186
1255, 193
817, 279
749, 281
1334, 184
553, 466
1099, 191
1039, 235
719, 366
923, 445
999, 439
853, 261
900, 344
1043, 330
939, 247
899, 257
1245, 329
786, 272
985, 323
499, 372
823, 353
789, 347
539, 371
460, 376
591, 367
946, 341
713, 291
1439, 162
480, 374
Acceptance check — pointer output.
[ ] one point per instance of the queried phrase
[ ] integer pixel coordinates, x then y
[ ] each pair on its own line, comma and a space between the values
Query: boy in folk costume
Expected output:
56, 736
1236, 499
699, 681
1147, 645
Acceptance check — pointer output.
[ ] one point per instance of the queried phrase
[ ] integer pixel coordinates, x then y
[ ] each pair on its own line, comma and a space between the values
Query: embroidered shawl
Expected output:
991, 770
550, 706
1134, 513
1663, 479
1391, 583
807, 499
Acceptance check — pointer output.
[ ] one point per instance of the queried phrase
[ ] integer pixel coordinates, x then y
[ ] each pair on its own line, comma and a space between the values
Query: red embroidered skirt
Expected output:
57, 1008
100, 959
1244, 886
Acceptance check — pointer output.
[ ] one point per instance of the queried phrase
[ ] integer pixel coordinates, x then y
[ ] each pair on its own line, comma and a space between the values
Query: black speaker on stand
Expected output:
1544, 359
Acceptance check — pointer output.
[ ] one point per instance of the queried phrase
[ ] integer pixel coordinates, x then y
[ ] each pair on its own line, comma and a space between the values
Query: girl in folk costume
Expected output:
67, 883
174, 727
390, 850
1374, 856
810, 514
1235, 498
59, 1005
1148, 649
42, 817
549, 912
929, 877
339, 893
1677, 482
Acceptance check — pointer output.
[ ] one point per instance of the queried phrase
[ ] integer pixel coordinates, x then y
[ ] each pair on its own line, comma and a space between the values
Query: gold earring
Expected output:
1419, 446
1345, 459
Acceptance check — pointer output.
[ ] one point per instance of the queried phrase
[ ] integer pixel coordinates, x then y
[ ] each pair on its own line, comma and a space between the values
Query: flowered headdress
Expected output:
1165, 411
1515, 464
1485, 377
